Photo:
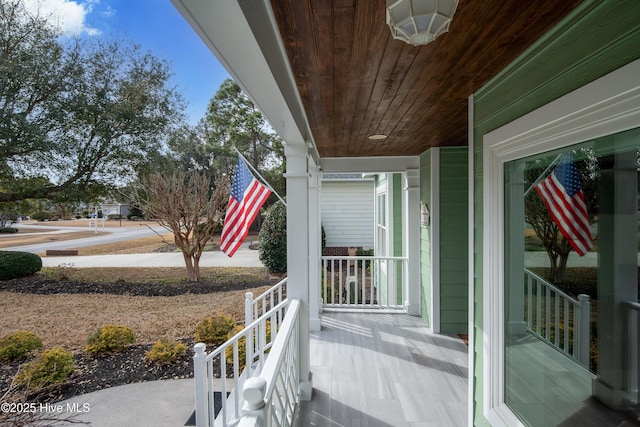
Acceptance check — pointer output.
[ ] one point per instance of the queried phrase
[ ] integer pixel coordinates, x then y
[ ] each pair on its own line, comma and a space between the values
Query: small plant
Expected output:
166, 351
242, 348
18, 264
242, 344
273, 239
214, 330
8, 230
18, 345
51, 367
110, 339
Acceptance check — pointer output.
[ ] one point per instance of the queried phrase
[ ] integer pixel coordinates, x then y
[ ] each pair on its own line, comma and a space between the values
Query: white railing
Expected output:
254, 308
632, 359
257, 338
558, 319
363, 282
272, 398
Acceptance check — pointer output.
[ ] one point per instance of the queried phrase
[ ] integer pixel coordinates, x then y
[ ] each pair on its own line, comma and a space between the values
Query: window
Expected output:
595, 124
571, 265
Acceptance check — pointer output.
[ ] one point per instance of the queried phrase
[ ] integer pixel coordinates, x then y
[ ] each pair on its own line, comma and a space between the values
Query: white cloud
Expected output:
67, 15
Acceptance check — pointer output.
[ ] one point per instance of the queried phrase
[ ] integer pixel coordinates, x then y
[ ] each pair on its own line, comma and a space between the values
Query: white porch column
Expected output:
514, 267
617, 273
298, 251
315, 246
412, 240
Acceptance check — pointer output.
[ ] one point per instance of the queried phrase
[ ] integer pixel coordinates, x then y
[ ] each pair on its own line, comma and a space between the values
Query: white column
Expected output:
514, 267
315, 246
412, 240
298, 251
617, 272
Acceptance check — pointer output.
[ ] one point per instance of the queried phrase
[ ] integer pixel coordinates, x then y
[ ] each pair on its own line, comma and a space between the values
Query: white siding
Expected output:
347, 213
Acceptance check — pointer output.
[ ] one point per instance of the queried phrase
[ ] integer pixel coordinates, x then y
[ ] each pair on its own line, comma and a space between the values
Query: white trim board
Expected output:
603, 107
435, 239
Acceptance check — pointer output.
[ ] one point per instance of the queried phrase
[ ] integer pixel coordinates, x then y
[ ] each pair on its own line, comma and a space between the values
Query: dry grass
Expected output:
68, 320
143, 245
35, 238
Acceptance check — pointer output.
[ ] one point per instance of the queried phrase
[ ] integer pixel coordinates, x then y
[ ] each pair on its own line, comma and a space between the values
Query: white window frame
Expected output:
603, 107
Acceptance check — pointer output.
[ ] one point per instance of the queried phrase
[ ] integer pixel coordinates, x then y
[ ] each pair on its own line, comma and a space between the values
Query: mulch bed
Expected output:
129, 366
42, 285
111, 370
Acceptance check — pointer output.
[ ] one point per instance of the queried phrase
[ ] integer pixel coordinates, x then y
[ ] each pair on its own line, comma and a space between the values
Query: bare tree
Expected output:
186, 205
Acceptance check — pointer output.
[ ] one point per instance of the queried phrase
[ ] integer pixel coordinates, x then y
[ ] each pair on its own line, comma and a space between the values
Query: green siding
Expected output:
595, 39
425, 239
454, 243
397, 232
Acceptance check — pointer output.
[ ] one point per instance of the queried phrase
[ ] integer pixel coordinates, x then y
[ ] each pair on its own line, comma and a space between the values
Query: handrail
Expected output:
255, 337
272, 398
264, 302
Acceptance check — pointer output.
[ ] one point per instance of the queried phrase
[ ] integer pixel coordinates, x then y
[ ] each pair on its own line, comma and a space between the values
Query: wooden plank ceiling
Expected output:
355, 80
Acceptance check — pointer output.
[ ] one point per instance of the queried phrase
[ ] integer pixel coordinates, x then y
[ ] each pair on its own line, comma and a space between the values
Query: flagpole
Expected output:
266, 183
542, 175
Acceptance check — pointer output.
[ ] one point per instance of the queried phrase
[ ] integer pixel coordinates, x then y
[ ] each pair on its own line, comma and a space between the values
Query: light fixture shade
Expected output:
419, 22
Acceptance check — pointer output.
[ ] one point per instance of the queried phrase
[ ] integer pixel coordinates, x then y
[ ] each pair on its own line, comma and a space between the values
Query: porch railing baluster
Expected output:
576, 314
366, 282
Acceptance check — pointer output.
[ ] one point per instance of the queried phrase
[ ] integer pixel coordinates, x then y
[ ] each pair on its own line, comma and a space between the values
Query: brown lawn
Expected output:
68, 320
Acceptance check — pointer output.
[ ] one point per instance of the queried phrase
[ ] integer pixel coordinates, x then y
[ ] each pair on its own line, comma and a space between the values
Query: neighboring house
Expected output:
347, 213
457, 128
115, 209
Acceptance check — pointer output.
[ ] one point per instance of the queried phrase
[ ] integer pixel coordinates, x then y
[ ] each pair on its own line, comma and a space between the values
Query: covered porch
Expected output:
382, 369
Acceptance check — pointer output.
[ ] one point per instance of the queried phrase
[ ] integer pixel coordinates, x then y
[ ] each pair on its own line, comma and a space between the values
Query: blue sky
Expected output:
155, 25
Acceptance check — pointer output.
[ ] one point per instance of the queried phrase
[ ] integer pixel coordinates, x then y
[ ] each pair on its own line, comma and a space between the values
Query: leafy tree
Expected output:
186, 205
75, 115
232, 120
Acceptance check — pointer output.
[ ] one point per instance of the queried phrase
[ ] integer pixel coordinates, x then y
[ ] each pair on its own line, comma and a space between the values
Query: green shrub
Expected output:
51, 367
41, 215
114, 217
110, 339
242, 348
8, 230
242, 345
166, 351
18, 345
273, 239
214, 330
18, 264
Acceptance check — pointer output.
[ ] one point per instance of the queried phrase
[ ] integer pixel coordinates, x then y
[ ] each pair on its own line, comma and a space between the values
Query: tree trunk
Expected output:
193, 271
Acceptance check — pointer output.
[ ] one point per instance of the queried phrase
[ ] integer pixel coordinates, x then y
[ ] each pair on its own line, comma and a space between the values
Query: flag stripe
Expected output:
247, 197
563, 197
569, 209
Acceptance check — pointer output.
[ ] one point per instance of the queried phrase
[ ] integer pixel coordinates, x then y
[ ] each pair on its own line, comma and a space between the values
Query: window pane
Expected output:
571, 272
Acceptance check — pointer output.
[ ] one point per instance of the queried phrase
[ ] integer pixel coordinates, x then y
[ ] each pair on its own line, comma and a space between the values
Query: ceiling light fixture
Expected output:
419, 22
377, 137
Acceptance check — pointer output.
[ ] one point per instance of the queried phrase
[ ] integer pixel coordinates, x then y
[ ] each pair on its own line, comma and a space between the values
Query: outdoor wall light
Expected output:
419, 22
425, 215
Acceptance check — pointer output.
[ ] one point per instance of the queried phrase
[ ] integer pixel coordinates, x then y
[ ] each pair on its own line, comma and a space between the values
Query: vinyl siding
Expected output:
425, 239
347, 213
454, 252
595, 39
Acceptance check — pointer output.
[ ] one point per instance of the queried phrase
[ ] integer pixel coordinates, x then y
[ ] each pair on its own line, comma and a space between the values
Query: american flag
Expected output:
562, 194
247, 197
